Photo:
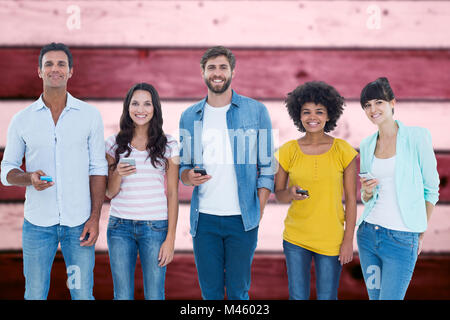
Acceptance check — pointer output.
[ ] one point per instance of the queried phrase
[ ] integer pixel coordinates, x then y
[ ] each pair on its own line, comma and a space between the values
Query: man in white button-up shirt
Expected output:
62, 138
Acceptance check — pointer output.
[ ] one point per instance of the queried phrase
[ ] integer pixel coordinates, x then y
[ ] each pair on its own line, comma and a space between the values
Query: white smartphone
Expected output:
366, 175
130, 161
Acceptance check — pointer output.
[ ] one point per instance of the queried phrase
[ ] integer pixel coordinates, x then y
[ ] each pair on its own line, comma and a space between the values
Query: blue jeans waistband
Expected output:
383, 229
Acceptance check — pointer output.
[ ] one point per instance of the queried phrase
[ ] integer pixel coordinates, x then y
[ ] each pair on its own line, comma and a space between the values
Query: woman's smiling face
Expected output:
313, 117
378, 110
141, 107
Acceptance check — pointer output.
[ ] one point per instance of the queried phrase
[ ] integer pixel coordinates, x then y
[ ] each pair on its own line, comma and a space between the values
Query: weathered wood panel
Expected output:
269, 278
353, 125
232, 23
270, 231
109, 73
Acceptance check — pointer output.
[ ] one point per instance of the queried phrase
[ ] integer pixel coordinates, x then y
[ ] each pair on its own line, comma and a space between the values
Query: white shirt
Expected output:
386, 212
219, 195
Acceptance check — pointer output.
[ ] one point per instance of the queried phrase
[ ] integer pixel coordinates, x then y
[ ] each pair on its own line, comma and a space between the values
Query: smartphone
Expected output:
46, 178
201, 171
366, 175
130, 161
302, 192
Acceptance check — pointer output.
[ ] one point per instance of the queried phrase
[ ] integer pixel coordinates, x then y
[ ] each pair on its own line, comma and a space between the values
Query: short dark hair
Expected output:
218, 51
317, 92
56, 47
379, 89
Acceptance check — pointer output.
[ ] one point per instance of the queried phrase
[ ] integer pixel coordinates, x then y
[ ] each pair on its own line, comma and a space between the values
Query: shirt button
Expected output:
376, 227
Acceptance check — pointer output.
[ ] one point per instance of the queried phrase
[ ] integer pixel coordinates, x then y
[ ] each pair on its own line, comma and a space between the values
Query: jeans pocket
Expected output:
113, 223
159, 225
402, 238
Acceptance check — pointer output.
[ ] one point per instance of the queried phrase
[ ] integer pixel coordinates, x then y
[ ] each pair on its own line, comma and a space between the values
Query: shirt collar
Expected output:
401, 128
71, 103
235, 101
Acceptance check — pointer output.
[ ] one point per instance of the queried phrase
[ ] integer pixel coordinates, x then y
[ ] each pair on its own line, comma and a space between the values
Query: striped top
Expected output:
142, 195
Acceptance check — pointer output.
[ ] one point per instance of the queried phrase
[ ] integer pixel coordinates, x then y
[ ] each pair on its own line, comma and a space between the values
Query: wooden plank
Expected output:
269, 278
437, 239
109, 73
353, 125
232, 23
14, 193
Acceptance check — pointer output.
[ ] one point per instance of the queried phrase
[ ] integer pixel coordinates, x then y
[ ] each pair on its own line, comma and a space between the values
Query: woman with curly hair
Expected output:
315, 170
142, 218
399, 200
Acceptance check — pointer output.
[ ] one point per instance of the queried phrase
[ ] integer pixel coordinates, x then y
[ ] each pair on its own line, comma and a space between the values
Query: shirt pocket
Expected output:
245, 143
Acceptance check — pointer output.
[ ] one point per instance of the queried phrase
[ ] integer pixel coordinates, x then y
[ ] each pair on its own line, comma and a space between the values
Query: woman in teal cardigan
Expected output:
398, 200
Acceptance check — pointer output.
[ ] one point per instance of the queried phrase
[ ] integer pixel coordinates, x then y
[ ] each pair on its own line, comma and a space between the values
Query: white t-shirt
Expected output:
386, 211
219, 195
142, 195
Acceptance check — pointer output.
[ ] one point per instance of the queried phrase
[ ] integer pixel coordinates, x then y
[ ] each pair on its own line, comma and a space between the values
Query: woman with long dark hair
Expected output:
398, 197
143, 218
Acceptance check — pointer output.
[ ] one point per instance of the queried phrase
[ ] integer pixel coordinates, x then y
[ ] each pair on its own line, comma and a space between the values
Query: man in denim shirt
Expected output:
230, 136
61, 137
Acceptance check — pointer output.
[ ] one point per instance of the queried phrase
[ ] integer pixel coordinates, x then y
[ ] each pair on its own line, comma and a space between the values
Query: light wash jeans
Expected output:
298, 262
387, 258
39, 249
126, 238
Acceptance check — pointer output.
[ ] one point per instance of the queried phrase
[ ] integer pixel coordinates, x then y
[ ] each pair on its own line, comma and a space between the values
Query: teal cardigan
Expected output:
416, 176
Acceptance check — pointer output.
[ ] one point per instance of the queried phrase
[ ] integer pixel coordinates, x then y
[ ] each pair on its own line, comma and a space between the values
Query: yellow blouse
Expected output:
317, 223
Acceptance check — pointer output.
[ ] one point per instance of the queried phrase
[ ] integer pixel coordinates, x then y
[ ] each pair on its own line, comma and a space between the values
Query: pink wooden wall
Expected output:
278, 44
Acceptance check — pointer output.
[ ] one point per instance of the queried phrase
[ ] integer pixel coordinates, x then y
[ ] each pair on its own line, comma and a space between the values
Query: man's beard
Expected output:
222, 89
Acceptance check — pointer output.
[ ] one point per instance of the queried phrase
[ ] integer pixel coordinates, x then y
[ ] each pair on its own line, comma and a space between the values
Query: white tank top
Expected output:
386, 211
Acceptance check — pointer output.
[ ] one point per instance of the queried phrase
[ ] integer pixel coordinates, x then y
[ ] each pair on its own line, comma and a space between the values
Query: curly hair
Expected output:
317, 92
157, 140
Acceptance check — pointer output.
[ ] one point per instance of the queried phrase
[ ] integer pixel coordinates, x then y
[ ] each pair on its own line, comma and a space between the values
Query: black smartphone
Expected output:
302, 192
201, 171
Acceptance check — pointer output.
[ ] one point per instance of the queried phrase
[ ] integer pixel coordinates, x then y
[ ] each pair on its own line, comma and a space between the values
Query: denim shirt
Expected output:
416, 176
250, 132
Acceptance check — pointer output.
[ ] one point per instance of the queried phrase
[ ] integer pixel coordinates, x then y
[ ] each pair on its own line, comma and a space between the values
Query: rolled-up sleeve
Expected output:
428, 166
14, 151
266, 160
98, 166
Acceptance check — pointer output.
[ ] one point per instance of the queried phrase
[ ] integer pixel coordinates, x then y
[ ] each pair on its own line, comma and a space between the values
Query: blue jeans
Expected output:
298, 263
125, 239
223, 253
387, 258
39, 250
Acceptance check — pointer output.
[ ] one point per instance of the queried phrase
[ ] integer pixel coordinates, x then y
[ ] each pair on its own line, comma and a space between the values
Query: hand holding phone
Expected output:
201, 171
196, 179
369, 184
130, 161
46, 178
302, 192
298, 193
126, 167
366, 175
40, 181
